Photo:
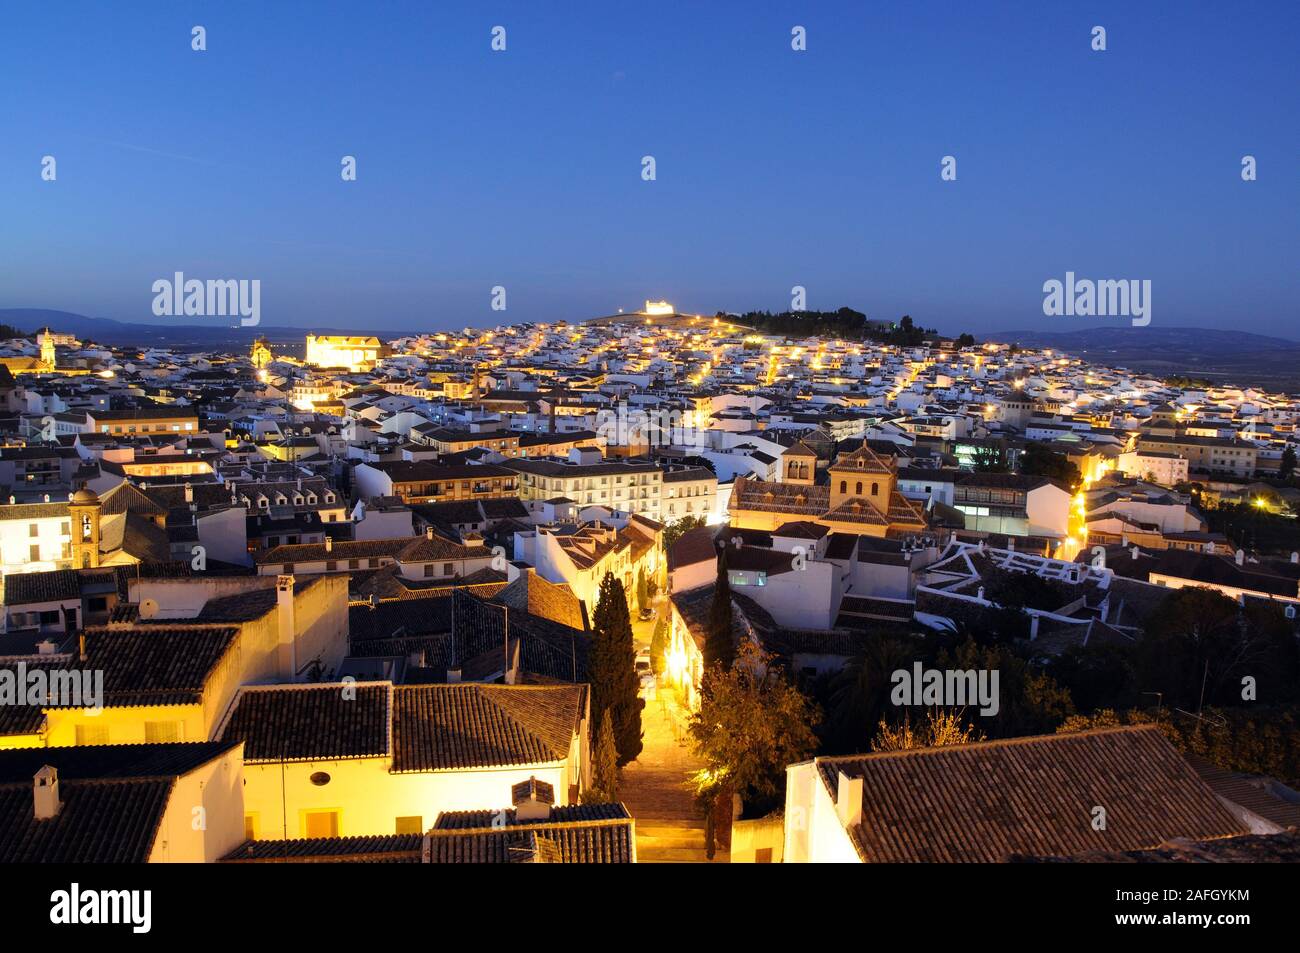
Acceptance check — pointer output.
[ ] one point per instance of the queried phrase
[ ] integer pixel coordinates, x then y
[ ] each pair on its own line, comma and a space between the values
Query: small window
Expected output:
320, 823
162, 732
320, 779
92, 734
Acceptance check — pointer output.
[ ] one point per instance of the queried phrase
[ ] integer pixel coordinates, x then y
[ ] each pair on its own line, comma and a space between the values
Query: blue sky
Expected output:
775, 168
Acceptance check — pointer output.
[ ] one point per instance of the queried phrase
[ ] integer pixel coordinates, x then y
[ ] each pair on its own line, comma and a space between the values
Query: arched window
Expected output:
858, 489
844, 487
875, 489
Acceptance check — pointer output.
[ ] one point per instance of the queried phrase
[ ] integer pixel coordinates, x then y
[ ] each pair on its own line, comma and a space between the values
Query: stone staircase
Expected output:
654, 788
671, 841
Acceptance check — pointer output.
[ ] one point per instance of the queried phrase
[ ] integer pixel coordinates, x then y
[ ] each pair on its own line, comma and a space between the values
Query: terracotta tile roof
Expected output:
303, 723
113, 800
604, 840
100, 822
155, 664
863, 460
444, 727
379, 849
987, 801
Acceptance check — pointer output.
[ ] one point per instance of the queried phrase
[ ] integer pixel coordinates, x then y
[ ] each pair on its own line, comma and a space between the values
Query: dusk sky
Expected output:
775, 168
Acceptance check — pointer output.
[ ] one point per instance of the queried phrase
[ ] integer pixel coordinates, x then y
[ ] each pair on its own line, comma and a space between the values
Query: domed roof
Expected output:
85, 495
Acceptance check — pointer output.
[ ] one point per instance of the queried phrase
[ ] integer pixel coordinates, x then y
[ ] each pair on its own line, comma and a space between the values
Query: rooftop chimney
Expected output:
288, 643
532, 800
45, 647
45, 793
848, 800
189, 493
329, 544
428, 532
81, 646
1241, 557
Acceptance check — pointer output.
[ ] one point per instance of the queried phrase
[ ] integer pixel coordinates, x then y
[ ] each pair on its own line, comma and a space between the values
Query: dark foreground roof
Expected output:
604, 835
1283, 848
1036, 796
380, 849
113, 800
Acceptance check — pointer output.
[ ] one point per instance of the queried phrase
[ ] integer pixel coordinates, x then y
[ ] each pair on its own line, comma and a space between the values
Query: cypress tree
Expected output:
612, 670
642, 590
604, 765
719, 647
659, 647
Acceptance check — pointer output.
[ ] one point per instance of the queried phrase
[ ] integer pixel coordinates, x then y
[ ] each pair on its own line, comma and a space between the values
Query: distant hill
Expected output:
211, 336
1228, 357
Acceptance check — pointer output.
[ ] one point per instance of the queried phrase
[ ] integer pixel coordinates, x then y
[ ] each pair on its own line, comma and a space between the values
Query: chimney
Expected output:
532, 800
189, 493
1241, 557
1033, 626
45, 647
1295, 557
288, 646
453, 676
1136, 552
980, 594
848, 801
329, 544
428, 532
81, 646
45, 793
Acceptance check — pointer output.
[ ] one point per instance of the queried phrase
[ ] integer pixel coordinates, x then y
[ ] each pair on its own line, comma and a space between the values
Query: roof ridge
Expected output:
991, 743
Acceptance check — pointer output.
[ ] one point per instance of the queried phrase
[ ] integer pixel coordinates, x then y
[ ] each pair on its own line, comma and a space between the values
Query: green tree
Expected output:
719, 644
1287, 469
940, 728
1200, 645
859, 692
611, 669
659, 646
1040, 460
750, 725
604, 766
1030, 702
642, 589
674, 531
